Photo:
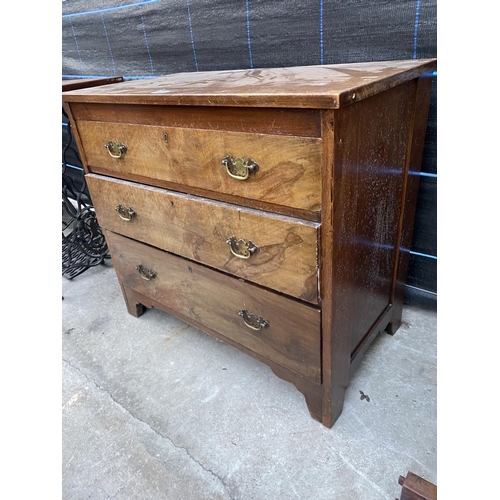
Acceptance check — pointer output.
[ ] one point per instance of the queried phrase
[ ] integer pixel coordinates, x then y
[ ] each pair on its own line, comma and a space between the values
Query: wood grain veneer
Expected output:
198, 229
289, 167
214, 300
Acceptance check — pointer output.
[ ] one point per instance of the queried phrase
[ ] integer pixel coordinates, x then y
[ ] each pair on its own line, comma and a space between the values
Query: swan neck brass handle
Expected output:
252, 320
145, 273
238, 168
241, 248
125, 213
116, 149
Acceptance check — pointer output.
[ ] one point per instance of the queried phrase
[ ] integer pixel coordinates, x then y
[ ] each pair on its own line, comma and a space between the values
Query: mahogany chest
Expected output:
270, 208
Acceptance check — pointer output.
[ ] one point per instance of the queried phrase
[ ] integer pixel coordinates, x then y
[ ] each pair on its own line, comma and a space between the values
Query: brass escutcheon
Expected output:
241, 248
238, 168
252, 320
116, 149
126, 213
146, 274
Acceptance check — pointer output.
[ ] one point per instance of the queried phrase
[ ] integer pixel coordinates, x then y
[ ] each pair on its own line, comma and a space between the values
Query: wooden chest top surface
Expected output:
325, 86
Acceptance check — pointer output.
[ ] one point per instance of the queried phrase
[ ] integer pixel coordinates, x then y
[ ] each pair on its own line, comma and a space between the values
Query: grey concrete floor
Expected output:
155, 409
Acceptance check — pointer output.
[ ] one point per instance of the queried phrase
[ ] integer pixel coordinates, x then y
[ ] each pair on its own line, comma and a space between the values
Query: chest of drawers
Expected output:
270, 208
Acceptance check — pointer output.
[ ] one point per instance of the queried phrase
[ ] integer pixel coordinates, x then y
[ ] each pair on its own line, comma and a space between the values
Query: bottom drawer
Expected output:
277, 328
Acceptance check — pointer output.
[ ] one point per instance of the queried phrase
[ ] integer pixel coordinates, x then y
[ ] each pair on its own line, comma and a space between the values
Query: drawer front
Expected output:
279, 329
275, 251
287, 171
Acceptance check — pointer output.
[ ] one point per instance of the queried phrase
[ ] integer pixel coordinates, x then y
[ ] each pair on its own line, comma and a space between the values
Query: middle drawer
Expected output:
274, 251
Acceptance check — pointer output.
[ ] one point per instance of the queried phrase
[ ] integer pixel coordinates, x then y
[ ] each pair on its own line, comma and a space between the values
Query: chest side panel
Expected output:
371, 150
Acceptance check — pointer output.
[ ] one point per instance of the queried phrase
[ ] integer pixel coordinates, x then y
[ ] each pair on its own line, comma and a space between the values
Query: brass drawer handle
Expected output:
115, 149
238, 168
125, 213
241, 248
146, 274
252, 320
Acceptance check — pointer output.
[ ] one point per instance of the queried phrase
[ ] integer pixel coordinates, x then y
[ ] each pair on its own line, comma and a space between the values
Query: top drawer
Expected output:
276, 169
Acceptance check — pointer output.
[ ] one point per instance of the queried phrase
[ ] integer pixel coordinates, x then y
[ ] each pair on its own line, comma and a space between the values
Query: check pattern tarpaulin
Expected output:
143, 39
